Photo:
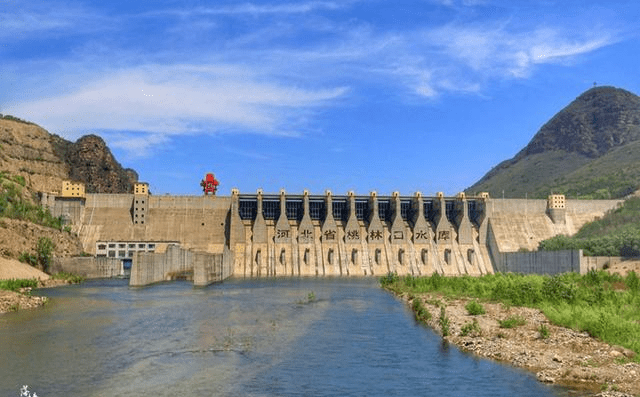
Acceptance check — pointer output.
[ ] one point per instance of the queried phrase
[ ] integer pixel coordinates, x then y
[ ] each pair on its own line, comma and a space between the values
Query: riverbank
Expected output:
564, 357
529, 340
10, 301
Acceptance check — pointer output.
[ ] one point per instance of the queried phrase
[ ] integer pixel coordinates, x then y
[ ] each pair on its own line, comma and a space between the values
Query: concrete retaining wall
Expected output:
539, 262
89, 267
206, 268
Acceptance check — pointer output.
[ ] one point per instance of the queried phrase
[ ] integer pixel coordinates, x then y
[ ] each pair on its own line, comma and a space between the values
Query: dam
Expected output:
273, 235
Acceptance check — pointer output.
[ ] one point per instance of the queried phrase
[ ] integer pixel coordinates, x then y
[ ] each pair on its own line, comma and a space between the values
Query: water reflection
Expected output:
250, 338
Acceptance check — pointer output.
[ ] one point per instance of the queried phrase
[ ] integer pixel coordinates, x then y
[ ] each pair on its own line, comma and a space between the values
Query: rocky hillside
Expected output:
32, 161
90, 161
591, 149
45, 160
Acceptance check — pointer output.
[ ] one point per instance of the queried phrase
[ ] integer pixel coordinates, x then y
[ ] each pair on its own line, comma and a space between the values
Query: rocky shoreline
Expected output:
562, 356
11, 301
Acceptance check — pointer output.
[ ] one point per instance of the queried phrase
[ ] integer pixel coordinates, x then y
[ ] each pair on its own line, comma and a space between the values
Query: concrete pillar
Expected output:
329, 238
235, 231
422, 237
465, 232
284, 254
398, 228
352, 239
485, 214
376, 237
258, 242
444, 230
306, 242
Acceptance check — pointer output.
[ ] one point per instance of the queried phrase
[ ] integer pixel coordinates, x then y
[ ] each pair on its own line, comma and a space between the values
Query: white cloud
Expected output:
255, 9
491, 51
177, 99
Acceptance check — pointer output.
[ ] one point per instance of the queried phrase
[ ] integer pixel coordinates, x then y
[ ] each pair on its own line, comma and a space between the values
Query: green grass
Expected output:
512, 322
16, 284
14, 205
474, 308
421, 312
605, 305
70, 277
543, 330
471, 329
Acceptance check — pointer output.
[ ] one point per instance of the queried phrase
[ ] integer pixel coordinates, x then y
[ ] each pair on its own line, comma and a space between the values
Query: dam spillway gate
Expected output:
282, 235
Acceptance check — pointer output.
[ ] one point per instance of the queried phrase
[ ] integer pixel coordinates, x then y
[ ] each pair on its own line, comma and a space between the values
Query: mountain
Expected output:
33, 160
45, 159
589, 149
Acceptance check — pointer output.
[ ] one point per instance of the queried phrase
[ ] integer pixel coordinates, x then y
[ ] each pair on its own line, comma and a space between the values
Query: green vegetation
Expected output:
70, 277
43, 256
512, 322
44, 250
13, 205
474, 308
13, 118
311, 297
471, 329
443, 320
544, 331
616, 234
605, 305
29, 259
16, 284
421, 312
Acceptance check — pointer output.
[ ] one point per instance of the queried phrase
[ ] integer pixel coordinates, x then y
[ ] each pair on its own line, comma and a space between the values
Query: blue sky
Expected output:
342, 95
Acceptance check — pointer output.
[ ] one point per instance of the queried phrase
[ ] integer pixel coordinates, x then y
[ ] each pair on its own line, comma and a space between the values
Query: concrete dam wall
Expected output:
260, 235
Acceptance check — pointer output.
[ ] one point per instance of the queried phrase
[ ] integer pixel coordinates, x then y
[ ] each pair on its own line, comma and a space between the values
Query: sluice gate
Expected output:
312, 235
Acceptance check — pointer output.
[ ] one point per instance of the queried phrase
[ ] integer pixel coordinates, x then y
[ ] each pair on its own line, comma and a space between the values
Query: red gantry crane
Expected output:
209, 184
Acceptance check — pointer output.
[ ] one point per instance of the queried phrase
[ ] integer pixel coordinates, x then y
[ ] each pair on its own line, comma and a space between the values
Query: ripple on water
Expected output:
250, 338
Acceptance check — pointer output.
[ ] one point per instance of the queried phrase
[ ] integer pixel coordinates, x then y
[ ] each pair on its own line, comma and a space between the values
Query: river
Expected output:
269, 337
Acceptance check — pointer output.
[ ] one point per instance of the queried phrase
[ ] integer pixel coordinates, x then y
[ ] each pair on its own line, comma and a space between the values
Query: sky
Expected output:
362, 95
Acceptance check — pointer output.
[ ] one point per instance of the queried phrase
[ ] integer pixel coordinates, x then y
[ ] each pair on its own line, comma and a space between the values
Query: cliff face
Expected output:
589, 149
45, 160
90, 161
26, 150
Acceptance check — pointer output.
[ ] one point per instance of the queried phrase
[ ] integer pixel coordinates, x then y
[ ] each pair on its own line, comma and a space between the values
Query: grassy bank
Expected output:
605, 305
16, 284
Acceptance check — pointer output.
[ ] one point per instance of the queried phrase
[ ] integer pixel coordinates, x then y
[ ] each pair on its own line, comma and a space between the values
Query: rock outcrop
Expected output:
45, 160
90, 161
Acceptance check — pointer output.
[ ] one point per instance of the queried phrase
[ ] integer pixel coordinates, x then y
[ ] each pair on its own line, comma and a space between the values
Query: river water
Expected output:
239, 338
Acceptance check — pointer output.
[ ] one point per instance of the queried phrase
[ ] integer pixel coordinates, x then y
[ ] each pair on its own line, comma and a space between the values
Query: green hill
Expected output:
590, 149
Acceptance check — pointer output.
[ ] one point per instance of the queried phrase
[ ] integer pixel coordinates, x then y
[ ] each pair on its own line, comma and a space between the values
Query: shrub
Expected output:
443, 320
512, 322
44, 250
474, 308
421, 312
543, 330
28, 258
471, 329
390, 278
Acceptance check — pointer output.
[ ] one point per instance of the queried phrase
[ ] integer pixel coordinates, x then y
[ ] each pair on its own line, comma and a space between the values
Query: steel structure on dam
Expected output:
267, 235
